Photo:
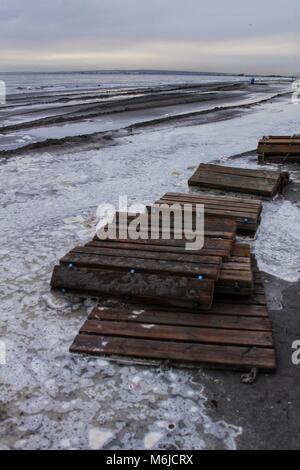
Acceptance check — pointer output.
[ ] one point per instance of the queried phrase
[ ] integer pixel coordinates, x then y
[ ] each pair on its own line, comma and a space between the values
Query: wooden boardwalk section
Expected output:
229, 335
246, 213
279, 149
263, 183
203, 307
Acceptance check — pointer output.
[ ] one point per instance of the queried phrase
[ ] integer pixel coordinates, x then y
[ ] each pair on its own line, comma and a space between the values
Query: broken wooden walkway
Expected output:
279, 149
188, 307
264, 183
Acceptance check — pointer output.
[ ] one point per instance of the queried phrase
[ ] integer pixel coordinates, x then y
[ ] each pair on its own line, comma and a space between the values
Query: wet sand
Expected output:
269, 409
39, 120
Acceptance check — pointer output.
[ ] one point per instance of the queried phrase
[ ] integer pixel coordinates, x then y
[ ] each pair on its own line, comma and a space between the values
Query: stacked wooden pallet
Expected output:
262, 183
279, 149
231, 335
157, 271
246, 213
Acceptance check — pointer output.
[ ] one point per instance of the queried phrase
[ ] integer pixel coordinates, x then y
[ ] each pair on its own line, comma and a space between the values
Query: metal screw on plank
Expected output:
132, 271
71, 265
246, 220
200, 278
63, 291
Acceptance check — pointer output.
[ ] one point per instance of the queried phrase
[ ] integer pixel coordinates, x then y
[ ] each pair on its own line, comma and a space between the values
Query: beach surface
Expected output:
63, 152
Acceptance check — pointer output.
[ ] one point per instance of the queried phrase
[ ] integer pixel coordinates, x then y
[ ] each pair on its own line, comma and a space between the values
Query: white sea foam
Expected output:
98, 438
278, 243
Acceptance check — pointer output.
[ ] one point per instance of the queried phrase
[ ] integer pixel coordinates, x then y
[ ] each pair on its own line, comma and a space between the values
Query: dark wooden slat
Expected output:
143, 254
215, 209
236, 307
222, 356
233, 322
151, 288
235, 183
279, 149
229, 208
214, 247
178, 333
141, 265
165, 234
233, 201
228, 170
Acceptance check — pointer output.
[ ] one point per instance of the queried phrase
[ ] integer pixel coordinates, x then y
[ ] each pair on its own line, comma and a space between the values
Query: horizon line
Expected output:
146, 71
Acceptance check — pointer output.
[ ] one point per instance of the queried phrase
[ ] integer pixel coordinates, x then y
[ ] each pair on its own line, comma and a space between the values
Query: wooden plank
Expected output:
151, 288
206, 354
111, 263
221, 199
217, 209
181, 318
245, 308
178, 333
144, 254
228, 170
212, 247
282, 149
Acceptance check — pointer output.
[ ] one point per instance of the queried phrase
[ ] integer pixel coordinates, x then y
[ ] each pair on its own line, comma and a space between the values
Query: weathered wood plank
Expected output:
206, 354
151, 288
86, 260
254, 173
228, 200
182, 318
144, 254
212, 246
178, 333
277, 148
249, 307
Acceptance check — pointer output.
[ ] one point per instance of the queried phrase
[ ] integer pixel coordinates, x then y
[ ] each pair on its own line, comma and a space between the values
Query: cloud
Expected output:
189, 34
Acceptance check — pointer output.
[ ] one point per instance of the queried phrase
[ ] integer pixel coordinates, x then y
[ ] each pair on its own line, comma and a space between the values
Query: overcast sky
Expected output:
242, 36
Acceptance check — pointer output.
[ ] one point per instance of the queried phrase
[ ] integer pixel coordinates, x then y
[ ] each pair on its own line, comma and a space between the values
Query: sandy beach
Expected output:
64, 152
